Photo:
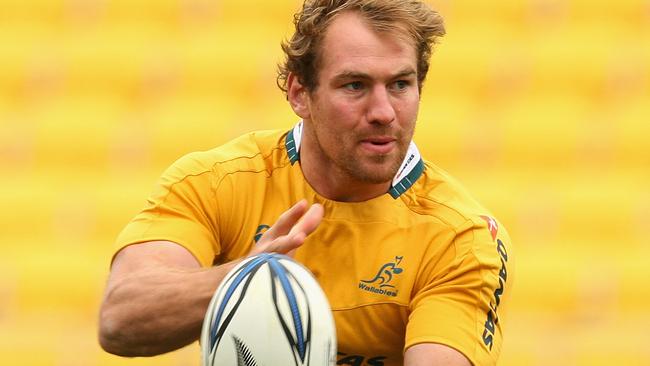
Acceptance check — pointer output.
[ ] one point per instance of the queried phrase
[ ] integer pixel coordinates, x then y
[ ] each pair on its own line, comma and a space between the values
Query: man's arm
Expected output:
157, 294
155, 299
433, 354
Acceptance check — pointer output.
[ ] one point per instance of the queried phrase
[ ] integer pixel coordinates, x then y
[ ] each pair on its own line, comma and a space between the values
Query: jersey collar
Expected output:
409, 172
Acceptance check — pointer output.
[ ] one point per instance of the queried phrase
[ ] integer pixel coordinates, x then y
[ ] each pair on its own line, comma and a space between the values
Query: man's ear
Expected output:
298, 97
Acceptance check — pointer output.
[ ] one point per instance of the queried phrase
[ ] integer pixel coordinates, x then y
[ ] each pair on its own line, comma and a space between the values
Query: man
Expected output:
415, 270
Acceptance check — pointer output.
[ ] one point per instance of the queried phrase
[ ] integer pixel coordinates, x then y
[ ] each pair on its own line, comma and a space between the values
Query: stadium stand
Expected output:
541, 107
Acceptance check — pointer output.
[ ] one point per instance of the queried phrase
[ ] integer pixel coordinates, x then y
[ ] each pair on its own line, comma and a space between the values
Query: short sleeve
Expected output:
181, 209
461, 300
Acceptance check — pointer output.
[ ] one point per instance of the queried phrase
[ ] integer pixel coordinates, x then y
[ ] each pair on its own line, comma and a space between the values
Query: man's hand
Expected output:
291, 229
157, 293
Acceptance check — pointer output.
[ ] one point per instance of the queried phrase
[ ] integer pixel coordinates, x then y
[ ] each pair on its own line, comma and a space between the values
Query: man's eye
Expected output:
401, 84
353, 86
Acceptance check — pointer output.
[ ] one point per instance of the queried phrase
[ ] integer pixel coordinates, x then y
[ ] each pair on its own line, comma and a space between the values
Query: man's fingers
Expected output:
309, 221
291, 229
286, 221
299, 232
283, 245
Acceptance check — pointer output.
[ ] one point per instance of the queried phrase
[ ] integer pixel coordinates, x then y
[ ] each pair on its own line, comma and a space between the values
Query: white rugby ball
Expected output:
268, 311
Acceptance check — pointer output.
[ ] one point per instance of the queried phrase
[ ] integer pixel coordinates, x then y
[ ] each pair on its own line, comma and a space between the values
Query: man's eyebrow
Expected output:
405, 73
348, 75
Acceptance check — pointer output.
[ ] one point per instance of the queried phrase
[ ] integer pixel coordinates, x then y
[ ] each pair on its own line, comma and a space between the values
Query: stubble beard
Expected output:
345, 157
373, 169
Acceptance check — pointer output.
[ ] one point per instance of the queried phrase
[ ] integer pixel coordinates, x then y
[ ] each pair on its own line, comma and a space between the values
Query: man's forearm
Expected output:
156, 310
157, 294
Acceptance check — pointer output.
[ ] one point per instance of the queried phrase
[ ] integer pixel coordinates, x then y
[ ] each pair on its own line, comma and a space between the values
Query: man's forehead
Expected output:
348, 26
359, 64
350, 39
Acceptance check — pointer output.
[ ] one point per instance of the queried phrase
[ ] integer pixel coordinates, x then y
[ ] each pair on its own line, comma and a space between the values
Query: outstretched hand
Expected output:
291, 229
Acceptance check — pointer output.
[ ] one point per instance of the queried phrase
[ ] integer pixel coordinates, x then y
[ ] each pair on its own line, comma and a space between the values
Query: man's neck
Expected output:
334, 184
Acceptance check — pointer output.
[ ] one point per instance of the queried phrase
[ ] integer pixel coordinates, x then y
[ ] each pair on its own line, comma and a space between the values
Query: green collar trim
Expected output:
409, 172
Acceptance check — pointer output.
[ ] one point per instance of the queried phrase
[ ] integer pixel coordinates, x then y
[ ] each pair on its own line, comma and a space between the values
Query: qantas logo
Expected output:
493, 226
492, 316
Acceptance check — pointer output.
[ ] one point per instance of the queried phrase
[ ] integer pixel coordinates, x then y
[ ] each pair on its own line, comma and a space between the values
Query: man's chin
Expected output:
377, 173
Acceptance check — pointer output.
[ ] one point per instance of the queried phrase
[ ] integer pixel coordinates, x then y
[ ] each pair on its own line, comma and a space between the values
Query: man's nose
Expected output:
380, 107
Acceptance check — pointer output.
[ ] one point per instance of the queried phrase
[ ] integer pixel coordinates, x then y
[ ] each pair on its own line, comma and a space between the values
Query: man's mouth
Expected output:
379, 144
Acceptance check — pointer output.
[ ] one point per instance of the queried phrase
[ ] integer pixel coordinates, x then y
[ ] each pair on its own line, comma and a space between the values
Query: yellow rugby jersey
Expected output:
422, 263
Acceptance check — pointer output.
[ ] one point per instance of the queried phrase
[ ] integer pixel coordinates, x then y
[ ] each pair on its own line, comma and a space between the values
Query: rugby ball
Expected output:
268, 311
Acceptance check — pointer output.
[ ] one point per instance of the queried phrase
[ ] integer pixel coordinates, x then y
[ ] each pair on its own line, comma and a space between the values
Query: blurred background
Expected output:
540, 107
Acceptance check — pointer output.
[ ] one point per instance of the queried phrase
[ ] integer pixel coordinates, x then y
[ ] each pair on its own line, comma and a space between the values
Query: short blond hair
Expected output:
422, 24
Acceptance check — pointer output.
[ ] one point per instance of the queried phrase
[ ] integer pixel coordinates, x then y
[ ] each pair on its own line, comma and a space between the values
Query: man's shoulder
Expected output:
440, 196
256, 145
254, 151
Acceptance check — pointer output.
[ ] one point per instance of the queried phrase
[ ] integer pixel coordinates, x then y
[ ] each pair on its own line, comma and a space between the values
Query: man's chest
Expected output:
368, 272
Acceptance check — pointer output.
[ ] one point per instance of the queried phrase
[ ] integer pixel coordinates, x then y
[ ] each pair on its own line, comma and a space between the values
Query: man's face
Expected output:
361, 116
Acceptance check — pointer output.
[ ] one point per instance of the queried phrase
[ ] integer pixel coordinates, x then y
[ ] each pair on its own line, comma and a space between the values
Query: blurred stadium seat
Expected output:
540, 107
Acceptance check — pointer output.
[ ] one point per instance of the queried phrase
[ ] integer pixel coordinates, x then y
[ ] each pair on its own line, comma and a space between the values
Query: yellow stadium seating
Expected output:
540, 107
633, 12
